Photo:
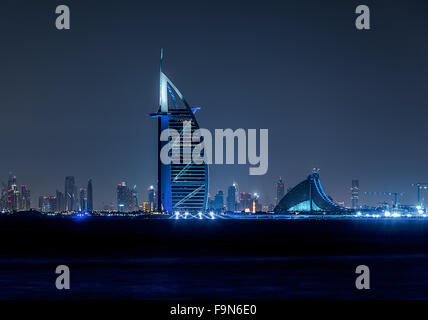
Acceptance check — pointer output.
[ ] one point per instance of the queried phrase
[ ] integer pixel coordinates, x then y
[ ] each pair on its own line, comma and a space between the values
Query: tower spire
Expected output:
163, 99
161, 59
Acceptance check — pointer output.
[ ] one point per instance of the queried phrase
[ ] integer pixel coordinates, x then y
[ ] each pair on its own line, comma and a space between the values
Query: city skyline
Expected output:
87, 113
131, 199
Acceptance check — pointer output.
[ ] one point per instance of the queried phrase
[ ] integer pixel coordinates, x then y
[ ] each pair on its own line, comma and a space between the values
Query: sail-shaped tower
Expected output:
182, 186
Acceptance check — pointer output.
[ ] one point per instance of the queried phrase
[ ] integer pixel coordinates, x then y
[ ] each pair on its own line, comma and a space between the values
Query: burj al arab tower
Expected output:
182, 185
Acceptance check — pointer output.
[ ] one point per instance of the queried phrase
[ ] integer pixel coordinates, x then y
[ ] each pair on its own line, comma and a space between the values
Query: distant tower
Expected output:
246, 201
219, 201
90, 196
231, 198
83, 199
237, 197
126, 198
60, 201
255, 205
122, 197
12, 193
355, 190
134, 199
11, 183
25, 198
279, 190
152, 202
70, 193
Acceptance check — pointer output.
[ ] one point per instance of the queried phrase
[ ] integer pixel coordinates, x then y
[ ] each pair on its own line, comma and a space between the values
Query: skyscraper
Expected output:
12, 193
245, 201
134, 205
219, 201
126, 198
60, 201
25, 201
279, 190
44, 204
70, 193
83, 199
355, 190
90, 196
255, 205
151, 198
182, 184
52, 204
231, 198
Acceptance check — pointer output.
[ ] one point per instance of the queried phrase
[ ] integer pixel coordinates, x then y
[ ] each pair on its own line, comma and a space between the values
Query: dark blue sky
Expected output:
353, 103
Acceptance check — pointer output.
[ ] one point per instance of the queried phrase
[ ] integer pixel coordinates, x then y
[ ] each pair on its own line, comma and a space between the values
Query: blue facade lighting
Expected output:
181, 186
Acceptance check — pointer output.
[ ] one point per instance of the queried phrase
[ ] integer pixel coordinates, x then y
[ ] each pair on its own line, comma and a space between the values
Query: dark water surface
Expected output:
119, 258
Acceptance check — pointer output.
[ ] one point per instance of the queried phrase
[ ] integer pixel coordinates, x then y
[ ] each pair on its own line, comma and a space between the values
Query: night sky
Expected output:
352, 103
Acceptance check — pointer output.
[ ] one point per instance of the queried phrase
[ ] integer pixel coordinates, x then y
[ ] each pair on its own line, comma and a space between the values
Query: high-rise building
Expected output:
83, 199
151, 198
231, 198
219, 201
11, 182
122, 197
237, 195
60, 201
211, 203
279, 190
182, 184
256, 206
134, 194
25, 201
48, 203
70, 194
355, 190
44, 204
52, 204
126, 198
246, 201
90, 196
14, 199
12, 193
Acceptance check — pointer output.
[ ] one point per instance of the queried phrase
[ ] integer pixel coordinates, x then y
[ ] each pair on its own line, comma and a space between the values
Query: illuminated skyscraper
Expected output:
60, 201
151, 199
246, 201
231, 198
44, 204
70, 193
182, 184
134, 195
52, 204
355, 190
126, 198
219, 201
83, 199
90, 197
12, 193
279, 190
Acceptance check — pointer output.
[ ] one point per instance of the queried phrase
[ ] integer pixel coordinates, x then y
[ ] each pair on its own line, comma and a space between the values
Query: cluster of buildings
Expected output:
14, 197
70, 200
235, 201
127, 199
